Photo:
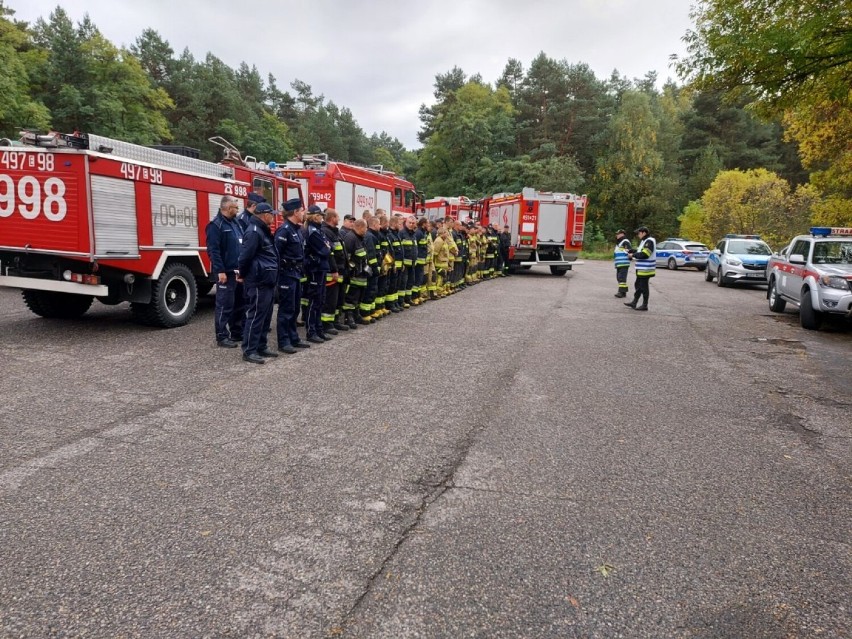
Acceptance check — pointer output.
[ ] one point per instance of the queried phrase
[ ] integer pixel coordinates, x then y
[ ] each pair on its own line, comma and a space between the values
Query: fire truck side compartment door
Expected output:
174, 217
114, 212
343, 197
552, 222
365, 199
383, 200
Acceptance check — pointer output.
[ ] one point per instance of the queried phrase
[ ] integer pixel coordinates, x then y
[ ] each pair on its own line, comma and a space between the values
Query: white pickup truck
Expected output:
815, 273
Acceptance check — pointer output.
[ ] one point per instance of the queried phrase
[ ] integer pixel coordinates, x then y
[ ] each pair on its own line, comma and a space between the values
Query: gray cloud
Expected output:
379, 58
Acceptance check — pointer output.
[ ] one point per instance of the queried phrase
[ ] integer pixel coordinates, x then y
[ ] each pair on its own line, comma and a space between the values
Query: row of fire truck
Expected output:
546, 228
86, 217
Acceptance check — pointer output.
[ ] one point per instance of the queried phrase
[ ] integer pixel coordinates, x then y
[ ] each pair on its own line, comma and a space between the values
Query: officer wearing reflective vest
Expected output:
258, 271
409, 252
622, 261
353, 242
645, 258
396, 284
291, 267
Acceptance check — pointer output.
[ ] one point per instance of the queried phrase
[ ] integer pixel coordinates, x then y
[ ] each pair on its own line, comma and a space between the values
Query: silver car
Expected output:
738, 258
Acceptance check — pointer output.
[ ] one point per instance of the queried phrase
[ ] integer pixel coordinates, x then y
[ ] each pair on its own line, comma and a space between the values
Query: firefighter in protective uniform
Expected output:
317, 254
645, 258
622, 261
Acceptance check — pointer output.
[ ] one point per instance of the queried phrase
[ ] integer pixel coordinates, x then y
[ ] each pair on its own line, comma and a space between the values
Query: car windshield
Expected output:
696, 247
833, 252
748, 247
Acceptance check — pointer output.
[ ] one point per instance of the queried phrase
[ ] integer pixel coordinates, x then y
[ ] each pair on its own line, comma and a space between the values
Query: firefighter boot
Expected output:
621, 293
328, 328
350, 320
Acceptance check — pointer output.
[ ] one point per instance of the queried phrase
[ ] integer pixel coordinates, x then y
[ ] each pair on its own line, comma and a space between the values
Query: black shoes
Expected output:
301, 345
254, 358
226, 343
316, 339
325, 338
630, 304
621, 294
328, 328
644, 307
267, 352
339, 327
289, 350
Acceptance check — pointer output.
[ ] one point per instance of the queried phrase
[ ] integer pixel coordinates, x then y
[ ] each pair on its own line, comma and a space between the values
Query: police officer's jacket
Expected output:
244, 219
337, 259
505, 241
356, 253
646, 258
223, 244
258, 260
620, 255
291, 250
317, 249
409, 246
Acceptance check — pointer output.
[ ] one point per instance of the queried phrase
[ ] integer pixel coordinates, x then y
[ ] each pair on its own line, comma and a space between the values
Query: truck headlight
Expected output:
732, 261
834, 281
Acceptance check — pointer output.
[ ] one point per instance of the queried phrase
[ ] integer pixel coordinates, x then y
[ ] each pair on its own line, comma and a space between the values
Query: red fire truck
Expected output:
85, 217
347, 188
459, 208
547, 228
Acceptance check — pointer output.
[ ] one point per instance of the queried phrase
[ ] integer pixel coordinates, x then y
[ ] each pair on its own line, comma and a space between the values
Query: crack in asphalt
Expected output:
437, 481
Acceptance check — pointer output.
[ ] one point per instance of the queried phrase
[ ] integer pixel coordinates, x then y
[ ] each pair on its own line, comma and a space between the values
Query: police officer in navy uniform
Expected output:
258, 268
317, 254
224, 237
291, 265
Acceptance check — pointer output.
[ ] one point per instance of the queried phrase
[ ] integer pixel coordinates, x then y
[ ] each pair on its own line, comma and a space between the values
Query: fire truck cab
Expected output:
459, 208
547, 228
85, 217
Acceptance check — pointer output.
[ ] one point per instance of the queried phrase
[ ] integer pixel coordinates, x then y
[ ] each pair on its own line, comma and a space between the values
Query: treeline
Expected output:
65, 76
756, 141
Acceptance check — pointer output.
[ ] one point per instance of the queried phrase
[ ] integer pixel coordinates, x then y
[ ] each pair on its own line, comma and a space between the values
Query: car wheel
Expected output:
672, 264
808, 317
708, 275
720, 278
702, 268
776, 303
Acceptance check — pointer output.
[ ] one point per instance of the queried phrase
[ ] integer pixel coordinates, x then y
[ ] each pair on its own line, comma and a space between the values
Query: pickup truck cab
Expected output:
813, 272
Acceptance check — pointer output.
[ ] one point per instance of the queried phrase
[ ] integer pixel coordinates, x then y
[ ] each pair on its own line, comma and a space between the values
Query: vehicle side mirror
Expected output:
797, 259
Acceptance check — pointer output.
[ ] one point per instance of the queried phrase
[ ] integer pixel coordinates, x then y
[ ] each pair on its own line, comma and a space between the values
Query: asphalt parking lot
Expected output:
528, 458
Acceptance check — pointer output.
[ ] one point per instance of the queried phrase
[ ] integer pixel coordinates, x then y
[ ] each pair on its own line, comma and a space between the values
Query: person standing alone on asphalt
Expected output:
622, 261
224, 237
645, 257
258, 267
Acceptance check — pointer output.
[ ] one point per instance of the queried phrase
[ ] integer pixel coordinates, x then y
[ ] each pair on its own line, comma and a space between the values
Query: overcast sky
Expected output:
379, 58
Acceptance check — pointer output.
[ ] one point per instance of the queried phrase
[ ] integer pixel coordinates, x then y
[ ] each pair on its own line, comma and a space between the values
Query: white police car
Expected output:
738, 258
815, 273
676, 252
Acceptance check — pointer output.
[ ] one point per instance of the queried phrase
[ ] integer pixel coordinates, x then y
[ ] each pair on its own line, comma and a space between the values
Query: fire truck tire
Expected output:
808, 317
55, 305
558, 270
173, 299
777, 304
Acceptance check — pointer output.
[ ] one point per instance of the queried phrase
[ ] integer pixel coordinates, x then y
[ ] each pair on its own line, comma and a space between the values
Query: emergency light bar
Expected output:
825, 231
741, 237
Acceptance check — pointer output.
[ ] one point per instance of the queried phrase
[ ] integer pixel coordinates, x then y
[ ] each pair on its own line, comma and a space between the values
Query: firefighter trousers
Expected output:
315, 293
621, 278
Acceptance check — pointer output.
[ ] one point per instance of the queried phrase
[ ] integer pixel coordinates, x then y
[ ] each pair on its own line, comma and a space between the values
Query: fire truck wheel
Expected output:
57, 305
558, 270
173, 299
808, 317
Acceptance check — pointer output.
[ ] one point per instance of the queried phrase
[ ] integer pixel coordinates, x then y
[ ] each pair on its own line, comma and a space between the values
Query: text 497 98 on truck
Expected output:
85, 217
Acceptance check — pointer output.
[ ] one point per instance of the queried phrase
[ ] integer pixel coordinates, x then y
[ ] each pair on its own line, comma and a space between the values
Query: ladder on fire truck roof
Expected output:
134, 152
321, 160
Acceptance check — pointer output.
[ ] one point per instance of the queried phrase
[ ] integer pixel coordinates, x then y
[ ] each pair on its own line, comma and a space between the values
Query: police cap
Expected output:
621, 232
313, 209
293, 205
257, 198
643, 229
263, 207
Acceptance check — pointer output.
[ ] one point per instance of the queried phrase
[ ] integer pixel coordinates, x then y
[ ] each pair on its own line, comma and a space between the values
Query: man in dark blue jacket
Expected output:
291, 267
224, 236
258, 270
317, 253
